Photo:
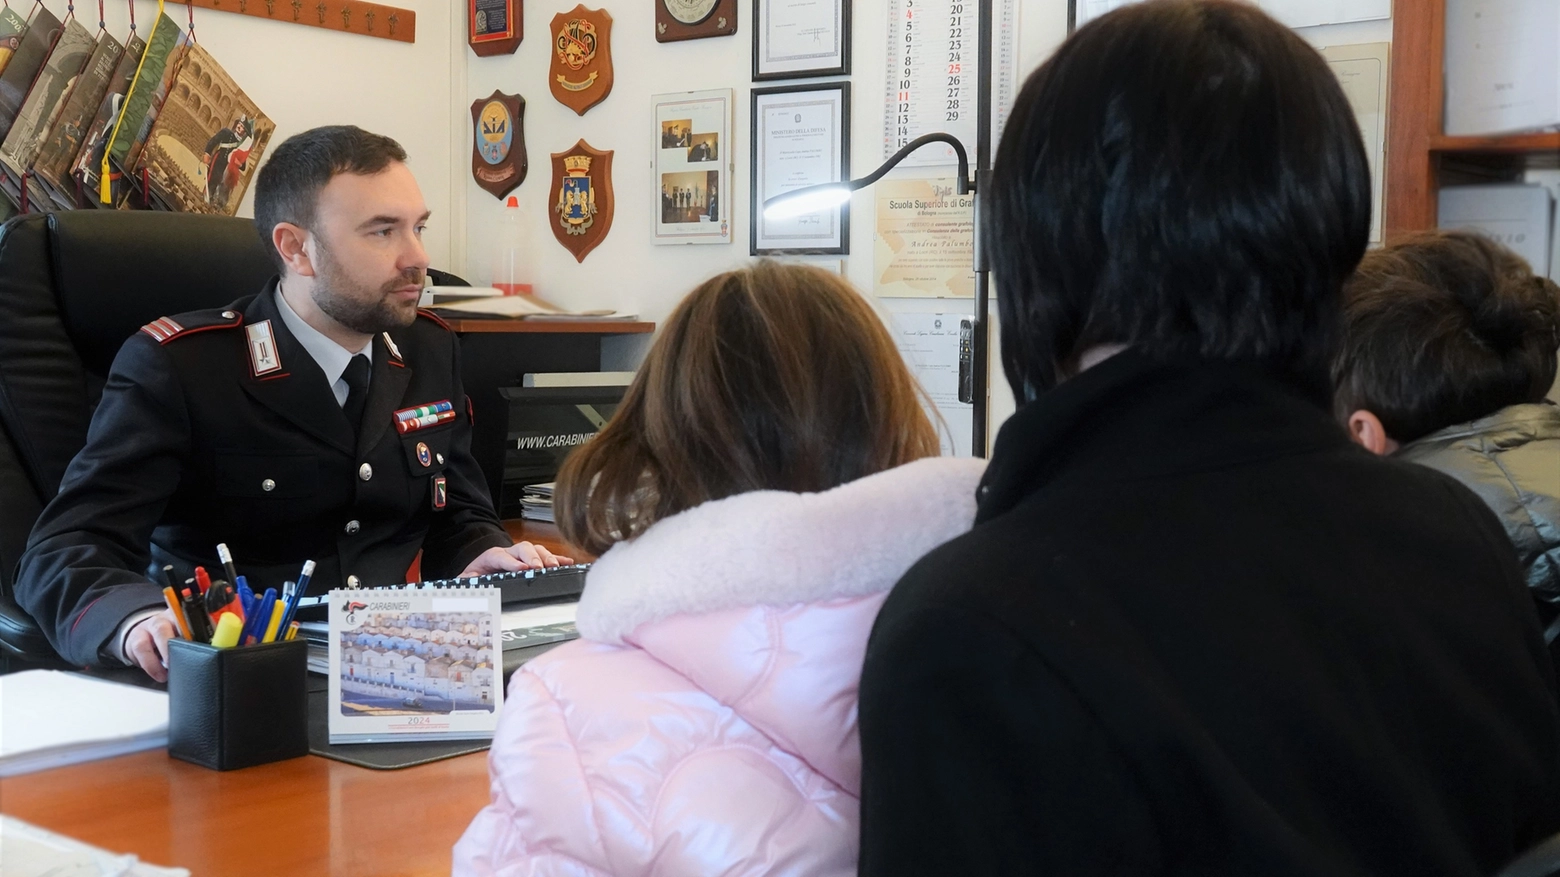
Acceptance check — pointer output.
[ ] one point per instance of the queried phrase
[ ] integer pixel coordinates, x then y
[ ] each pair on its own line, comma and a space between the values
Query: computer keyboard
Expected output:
523, 586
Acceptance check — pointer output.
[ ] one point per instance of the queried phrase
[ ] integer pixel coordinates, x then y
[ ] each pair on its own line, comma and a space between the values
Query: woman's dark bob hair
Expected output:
1184, 177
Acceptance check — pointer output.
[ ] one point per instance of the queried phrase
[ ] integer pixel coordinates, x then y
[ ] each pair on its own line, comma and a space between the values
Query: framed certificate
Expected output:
801, 137
796, 39
692, 176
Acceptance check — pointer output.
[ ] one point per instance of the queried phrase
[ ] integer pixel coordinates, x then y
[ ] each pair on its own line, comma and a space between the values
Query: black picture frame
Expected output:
842, 69
755, 199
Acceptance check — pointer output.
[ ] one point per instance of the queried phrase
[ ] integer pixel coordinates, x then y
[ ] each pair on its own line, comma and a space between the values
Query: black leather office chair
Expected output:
73, 287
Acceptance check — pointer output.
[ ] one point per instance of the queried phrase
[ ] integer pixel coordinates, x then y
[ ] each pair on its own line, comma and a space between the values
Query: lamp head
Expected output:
807, 200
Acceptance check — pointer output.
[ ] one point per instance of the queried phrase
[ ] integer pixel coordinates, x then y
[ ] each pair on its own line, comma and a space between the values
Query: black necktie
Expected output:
356, 377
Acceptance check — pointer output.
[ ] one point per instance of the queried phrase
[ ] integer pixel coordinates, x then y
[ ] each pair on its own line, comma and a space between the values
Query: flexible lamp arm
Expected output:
965, 186
939, 137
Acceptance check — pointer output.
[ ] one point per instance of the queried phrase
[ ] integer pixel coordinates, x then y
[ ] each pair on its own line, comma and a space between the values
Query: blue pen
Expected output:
261, 617
246, 596
297, 594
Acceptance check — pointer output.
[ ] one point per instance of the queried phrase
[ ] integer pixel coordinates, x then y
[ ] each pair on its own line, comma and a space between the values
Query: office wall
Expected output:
303, 77
627, 271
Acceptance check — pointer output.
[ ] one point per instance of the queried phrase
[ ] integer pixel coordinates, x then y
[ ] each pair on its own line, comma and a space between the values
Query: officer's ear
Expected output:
291, 241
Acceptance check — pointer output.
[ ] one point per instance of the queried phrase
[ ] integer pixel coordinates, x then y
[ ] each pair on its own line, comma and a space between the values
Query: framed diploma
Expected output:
693, 163
796, 39
694, 19
494, 27
801, 137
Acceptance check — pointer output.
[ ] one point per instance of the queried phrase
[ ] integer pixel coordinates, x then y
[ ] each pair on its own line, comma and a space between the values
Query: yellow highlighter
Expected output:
228, 627
275, 622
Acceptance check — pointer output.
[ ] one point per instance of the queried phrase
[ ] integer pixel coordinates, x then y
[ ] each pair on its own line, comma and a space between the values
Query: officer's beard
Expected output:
357, 306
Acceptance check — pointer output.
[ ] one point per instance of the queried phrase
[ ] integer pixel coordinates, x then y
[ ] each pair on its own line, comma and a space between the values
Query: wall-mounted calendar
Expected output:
932, 74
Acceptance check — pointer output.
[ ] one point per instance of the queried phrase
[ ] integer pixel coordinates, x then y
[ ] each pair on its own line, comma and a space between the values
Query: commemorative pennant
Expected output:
498, 159
582, 199
581, 72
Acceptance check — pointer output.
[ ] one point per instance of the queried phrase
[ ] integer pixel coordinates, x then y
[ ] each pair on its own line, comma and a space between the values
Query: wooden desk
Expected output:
336, 818
576, 327
323, 817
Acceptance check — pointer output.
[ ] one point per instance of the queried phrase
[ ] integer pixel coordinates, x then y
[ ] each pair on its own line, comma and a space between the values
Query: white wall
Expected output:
303, 77
627, 271
421, 93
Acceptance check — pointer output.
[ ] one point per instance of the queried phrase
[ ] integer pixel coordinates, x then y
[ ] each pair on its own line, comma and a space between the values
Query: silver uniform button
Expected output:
365, 471
228, 315
352, 581
440, 458
268, 485
353, 527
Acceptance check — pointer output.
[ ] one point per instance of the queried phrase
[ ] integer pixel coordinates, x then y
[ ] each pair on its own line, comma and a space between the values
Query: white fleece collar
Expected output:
777, 548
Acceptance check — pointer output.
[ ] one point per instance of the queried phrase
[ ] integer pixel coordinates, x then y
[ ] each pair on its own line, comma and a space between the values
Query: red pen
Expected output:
202, 580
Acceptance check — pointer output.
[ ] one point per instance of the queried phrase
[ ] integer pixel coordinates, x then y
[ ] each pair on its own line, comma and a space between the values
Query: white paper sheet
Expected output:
930, 346
29, 851
49, 718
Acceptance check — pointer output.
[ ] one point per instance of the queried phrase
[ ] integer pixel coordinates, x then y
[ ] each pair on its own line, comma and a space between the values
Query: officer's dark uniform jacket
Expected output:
190, 447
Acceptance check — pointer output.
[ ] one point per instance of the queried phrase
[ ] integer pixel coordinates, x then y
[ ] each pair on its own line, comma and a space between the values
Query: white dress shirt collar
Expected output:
331, 357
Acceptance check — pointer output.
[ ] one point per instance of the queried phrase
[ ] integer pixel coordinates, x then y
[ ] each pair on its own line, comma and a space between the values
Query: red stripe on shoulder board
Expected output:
424, 312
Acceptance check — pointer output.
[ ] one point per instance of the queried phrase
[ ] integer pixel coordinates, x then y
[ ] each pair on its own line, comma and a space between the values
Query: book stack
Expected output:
536, 502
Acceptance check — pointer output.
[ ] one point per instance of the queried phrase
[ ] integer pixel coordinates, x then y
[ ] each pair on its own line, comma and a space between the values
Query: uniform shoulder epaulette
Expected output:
165, 329
424, 312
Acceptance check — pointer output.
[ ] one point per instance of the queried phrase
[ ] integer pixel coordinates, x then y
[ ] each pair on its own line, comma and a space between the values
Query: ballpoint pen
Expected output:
297, 594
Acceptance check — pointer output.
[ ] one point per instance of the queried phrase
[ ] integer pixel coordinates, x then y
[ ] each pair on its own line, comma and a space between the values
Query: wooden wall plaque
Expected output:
582, 202
694, 19
498, 159
581, 72
494, 27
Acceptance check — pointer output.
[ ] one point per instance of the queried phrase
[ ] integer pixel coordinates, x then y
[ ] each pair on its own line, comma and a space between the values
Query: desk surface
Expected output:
330, 817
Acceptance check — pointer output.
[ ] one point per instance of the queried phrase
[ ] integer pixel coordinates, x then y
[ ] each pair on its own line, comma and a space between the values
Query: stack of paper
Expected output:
49, 719
525, 307
536, 503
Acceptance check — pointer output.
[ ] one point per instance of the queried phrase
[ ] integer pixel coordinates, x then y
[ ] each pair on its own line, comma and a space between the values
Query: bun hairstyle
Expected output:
1444, 328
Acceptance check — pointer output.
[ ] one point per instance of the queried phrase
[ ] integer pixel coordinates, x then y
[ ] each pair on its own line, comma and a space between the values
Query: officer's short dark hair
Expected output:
288, 187
1444, 328
1185, 177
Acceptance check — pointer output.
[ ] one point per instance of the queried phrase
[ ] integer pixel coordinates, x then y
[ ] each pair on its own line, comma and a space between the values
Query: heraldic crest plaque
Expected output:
581, 72
498, 159
582, 198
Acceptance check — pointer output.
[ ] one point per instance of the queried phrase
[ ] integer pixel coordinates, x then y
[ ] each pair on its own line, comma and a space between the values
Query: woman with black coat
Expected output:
1195, 630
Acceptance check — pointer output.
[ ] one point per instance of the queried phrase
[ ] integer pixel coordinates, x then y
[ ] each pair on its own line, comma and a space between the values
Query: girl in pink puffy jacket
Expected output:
767, 479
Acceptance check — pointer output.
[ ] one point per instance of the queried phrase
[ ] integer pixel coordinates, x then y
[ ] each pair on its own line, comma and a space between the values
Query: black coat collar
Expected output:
1132, 417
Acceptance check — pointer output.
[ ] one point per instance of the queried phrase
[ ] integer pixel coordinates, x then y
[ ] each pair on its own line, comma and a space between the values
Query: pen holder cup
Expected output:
237, 707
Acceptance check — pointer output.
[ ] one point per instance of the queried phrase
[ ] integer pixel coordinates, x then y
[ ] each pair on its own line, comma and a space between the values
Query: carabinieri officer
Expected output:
322, 418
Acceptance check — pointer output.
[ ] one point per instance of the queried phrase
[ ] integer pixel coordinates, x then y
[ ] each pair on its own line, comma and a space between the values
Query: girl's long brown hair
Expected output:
775, 377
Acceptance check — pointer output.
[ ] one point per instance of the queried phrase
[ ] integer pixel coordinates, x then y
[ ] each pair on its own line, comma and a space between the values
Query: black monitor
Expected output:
545, 424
